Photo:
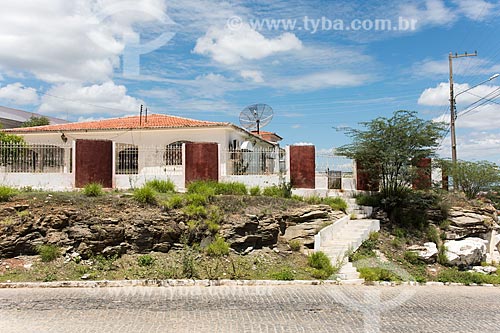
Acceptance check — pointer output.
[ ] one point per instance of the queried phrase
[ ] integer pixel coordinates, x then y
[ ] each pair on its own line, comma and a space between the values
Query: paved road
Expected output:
252, 309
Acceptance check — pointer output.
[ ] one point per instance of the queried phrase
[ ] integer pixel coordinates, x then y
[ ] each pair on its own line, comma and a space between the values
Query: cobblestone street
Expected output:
251, 309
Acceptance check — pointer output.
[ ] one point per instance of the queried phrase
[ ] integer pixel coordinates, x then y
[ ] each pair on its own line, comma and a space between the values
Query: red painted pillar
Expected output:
202, 162
423, 181
303, 166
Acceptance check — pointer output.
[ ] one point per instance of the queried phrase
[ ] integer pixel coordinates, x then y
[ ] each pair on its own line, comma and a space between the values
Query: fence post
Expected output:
113, 164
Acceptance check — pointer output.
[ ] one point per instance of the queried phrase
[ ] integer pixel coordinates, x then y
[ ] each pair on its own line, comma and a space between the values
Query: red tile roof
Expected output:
153, 121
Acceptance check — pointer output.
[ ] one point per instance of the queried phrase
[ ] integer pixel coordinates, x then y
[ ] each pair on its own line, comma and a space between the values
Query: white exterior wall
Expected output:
39, 181
262, 181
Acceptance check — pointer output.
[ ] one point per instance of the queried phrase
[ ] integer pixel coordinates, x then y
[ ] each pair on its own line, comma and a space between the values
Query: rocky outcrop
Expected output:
427, 253
299, 224
466, 252
139, 230
477, 222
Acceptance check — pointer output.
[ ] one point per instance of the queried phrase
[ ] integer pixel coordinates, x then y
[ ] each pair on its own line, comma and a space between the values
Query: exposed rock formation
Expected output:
466, 252
427, 253
471, 223
138, 230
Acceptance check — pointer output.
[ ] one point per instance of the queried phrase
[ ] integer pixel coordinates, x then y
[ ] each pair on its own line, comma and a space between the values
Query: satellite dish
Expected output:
255, 117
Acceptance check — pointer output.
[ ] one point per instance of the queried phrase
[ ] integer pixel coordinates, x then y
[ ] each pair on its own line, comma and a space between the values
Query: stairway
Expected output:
347, 235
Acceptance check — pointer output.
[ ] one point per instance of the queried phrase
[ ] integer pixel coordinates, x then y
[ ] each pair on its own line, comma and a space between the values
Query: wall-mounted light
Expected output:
64, 138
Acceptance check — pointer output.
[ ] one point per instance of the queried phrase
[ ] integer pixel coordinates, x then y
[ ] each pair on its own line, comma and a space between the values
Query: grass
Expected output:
285, 274
174, 202
48, 253
233, 188
323, 268
377, 274
218, 248
6, 193
145, 195
336, 203
93, 190
146, 260
467, 278
162, 186
368, 200
195, 211
255, 191
282, 191
295, 245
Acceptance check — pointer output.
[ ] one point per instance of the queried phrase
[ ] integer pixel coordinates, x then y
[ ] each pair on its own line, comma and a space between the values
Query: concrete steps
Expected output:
348, 236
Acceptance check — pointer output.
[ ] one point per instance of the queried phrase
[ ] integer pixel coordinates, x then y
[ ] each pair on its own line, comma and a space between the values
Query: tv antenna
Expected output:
256, 116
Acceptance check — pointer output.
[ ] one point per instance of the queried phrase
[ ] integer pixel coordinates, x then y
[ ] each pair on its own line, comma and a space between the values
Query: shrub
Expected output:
48, 252
285, 274
368, 200
93, 190
295, 245
433, 234
146, 260
206, 188
218, 248
193, 210
313, 200
161, 186
282, 191
377, 274
196, 199
255, 191
454, 275
412, 258
322, 264
6, 193
231, 189
442, 257
175, 201
145, 194
336, 203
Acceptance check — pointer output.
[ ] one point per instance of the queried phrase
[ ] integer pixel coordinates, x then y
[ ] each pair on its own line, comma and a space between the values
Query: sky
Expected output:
321, 65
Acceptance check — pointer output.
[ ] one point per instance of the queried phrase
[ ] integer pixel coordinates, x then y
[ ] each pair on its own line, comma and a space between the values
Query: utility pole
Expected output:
452, 103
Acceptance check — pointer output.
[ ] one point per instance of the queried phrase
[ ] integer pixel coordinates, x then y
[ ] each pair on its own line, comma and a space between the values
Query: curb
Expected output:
223, 283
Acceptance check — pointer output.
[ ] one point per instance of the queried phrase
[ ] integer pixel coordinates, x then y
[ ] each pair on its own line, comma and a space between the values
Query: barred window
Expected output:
173, 154
128, 160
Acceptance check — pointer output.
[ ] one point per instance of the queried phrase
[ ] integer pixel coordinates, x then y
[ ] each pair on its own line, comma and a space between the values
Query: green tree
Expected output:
388, 148
473, 177
36, 121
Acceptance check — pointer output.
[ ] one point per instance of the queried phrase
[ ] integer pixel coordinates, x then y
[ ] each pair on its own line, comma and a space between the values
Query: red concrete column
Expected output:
423, 180
94, 163
202, 162
365, 181
303, 166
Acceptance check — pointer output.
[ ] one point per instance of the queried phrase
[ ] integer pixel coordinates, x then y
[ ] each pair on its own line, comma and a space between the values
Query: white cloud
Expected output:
321, 80
484, 117
60, 41
433, 12
474, 146
17, 94
439, 68
79, 101
232, 46
476, 10
440, 95
255, 76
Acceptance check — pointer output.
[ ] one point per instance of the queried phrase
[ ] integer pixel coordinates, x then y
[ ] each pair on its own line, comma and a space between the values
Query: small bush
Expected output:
146, 260
193, 210
285, 274
231, 189
255, 191
368, 200
145, 195
433, 234
321, 262
48, 252
196, 199
175, 201
295, 245
282, 191
454, 275
218, 248
412, 258
336, 203
313, 200
377, 274
442, 257
162, 186
6, 193
206, 188
93, 190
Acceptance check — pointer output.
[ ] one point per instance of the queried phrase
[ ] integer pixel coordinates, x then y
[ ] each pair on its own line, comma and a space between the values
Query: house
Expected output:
12, 118
126, 152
